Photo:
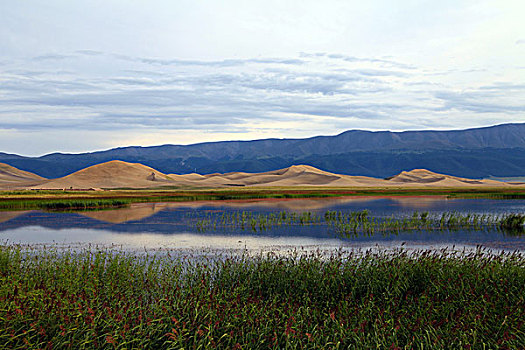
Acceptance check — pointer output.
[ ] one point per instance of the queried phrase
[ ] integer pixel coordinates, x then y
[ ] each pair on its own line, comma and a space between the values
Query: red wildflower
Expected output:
110, 340
332, 315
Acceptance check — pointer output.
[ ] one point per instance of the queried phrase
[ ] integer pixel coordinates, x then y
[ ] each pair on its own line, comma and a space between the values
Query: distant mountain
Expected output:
475, 153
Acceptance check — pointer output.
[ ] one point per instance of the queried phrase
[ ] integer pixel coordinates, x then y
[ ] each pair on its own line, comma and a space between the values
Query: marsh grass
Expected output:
63, 204
107, 300
353, 223
178, 195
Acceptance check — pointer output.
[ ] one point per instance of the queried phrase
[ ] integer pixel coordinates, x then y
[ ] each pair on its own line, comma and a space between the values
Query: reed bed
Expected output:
63, 204
353, 223
398, 300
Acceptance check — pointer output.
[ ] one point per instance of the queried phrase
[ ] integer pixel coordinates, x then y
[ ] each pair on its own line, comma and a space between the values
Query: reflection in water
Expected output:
169, 224
135, 212
9, 215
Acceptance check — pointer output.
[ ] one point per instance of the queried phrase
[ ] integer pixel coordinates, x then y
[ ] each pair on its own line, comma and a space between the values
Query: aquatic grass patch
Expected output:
106, 299
513, 222
63, 204
354, 223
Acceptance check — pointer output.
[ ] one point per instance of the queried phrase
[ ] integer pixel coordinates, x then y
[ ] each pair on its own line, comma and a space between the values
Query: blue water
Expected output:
172, 225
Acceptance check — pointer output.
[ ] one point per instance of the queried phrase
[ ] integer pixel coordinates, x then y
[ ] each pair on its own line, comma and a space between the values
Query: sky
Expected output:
79, 76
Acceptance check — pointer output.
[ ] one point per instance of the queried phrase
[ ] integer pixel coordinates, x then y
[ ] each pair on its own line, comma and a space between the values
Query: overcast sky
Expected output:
89, 75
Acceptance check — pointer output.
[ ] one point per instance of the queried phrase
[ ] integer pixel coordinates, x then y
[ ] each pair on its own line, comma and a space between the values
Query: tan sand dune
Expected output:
292, 176
14, 178
188, 177
10, 173
304, 175
429, 178
119, 174
236, 175
113, 174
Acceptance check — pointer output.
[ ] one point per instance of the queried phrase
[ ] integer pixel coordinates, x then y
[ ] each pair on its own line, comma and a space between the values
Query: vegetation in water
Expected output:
116, 300
360, 222
513, 222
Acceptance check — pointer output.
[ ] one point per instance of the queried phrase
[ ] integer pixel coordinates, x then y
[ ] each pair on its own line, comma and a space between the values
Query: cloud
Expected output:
309, 94
480, 101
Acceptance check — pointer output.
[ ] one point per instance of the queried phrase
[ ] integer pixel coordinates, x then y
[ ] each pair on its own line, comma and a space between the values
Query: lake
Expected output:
173, 225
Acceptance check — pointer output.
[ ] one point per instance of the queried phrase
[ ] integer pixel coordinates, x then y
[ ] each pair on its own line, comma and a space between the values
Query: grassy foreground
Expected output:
103, 299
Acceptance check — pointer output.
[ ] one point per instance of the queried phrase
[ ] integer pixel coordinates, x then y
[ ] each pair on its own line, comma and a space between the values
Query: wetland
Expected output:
336, 272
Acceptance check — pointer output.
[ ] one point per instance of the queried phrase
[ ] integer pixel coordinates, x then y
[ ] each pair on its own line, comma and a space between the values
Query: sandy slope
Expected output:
113, 174
13, 178
296, 175
9, 173
119, 174
428, 178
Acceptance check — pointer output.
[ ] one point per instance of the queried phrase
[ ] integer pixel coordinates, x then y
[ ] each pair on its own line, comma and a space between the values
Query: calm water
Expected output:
172, 225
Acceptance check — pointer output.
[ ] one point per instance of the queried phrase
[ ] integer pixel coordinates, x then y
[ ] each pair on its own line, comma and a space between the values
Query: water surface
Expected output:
172, 225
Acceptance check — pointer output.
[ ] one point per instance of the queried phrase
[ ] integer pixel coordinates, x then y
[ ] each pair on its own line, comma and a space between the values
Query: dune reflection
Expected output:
140, 211
9, 215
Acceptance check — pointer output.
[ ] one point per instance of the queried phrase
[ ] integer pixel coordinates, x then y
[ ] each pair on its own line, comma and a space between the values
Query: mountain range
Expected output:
497, 151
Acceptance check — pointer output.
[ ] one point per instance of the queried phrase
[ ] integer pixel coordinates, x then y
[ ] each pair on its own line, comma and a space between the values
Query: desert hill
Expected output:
113, 174
13, 178
119, 174
427, 177
9, 173
295, 175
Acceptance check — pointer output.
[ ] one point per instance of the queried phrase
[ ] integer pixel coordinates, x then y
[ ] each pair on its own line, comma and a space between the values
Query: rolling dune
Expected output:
428, 178
119, 174
13, 178
113, 174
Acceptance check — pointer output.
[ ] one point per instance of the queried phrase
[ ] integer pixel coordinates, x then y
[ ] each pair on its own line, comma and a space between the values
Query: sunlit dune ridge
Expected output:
120, 174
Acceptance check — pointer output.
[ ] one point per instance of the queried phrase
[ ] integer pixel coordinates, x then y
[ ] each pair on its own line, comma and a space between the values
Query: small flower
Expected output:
110, 339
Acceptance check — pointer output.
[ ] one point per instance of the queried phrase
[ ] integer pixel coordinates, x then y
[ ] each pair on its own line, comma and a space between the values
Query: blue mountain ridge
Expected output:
476, 153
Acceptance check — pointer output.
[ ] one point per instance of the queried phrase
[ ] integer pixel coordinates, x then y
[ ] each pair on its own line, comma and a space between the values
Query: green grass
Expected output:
173, 195
513, 222
62, 204
116, 300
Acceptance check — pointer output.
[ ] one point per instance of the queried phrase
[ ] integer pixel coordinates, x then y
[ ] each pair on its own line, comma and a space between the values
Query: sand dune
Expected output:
296, 175
429, 178
119, 174
9, 173
13, 178
113, 174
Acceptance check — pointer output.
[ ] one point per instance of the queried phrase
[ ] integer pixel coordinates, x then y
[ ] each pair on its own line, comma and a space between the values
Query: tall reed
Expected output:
106, 300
